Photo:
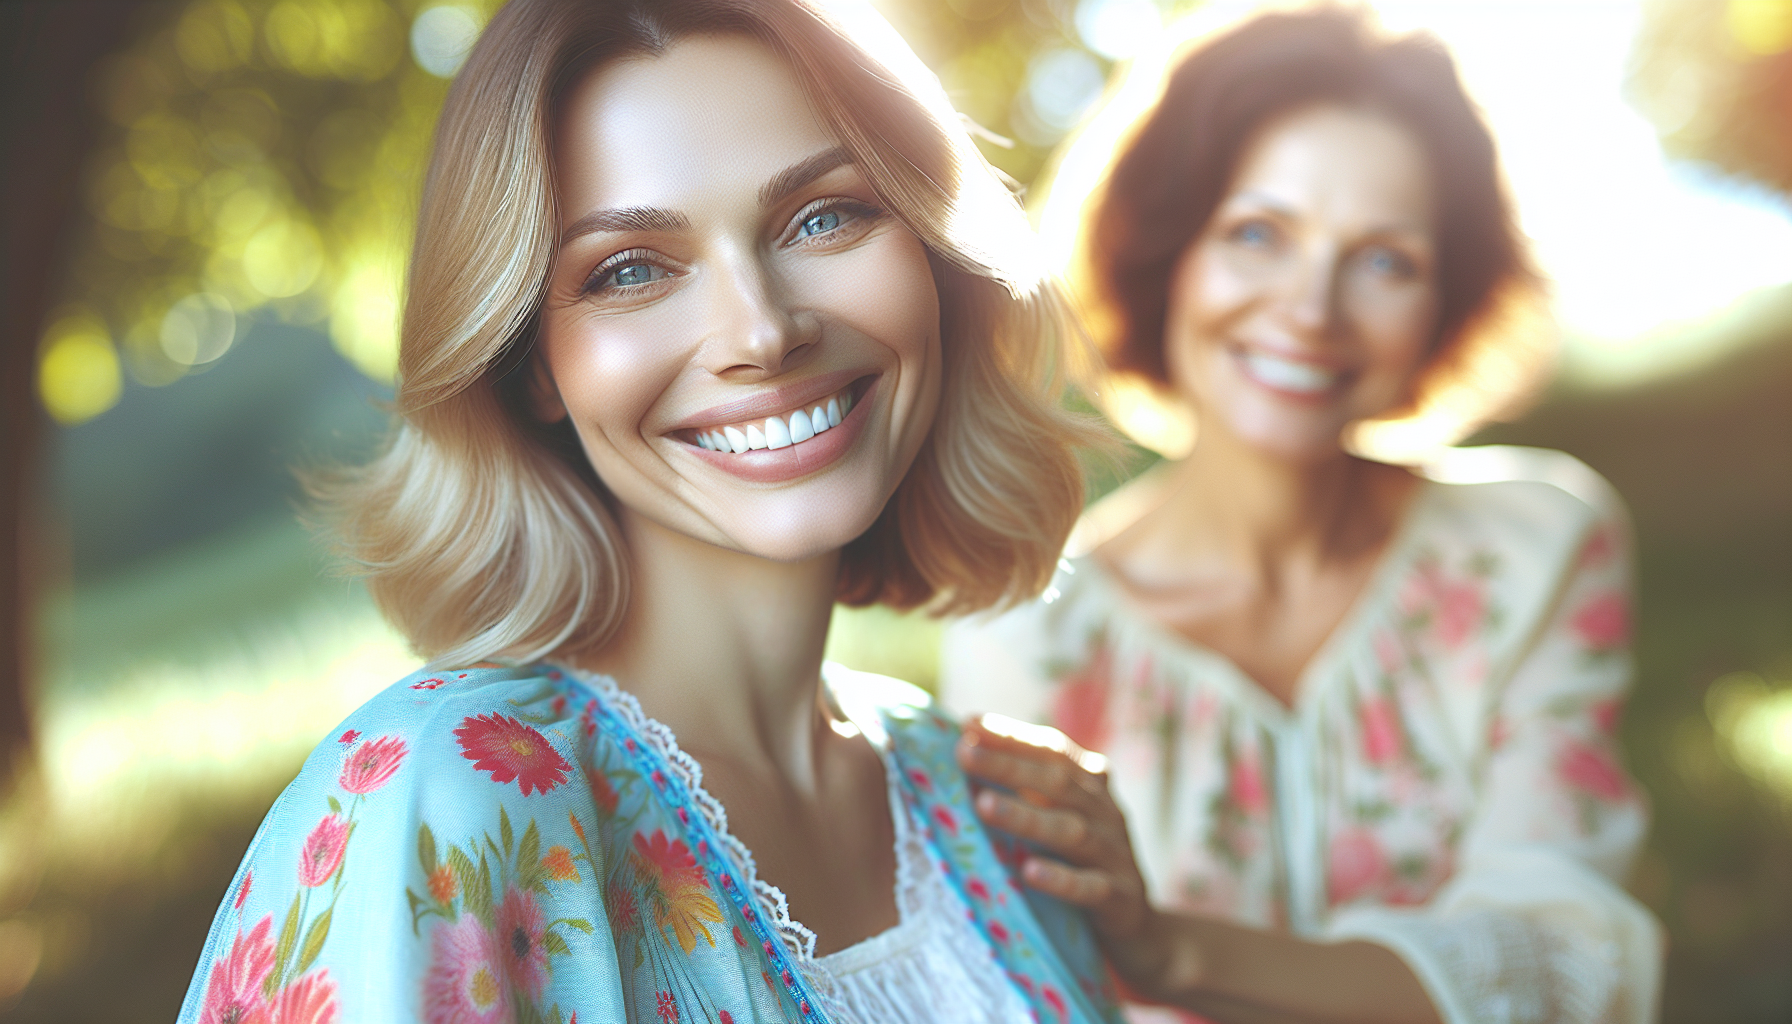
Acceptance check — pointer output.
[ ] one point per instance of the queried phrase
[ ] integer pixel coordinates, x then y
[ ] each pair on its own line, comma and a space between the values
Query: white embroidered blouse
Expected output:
1446, 783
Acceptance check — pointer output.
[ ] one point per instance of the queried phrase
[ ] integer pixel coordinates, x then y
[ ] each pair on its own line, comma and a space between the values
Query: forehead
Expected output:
707, 118
1339, 162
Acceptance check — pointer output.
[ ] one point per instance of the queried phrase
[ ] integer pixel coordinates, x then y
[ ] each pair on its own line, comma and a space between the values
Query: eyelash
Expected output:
863, 213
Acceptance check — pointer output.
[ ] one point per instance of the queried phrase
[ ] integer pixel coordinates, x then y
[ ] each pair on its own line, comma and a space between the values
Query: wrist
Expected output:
1164, 960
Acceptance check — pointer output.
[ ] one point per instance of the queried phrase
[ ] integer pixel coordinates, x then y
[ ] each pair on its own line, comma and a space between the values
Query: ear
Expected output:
544, 395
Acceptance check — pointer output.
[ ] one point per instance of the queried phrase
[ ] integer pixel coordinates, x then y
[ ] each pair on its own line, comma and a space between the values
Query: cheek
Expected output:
1397, 332
609, 375
1204, 296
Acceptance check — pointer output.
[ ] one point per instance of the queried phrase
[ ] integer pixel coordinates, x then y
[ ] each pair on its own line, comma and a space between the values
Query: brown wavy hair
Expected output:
1175, 164
482, 535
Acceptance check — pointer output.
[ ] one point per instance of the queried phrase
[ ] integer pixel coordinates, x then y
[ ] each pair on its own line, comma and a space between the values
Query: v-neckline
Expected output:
1360, 612
769, 898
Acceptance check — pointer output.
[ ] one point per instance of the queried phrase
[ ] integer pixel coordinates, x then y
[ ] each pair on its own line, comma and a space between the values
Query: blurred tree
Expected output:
1716, 80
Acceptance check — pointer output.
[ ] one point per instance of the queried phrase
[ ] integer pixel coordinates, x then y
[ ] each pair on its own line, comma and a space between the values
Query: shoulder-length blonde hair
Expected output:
483, 534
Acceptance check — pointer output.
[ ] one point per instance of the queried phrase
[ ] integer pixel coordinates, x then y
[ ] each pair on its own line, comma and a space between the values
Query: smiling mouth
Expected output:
1290, 375
777, 432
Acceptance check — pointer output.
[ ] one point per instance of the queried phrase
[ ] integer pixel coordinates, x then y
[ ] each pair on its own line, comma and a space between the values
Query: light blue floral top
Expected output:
514, 845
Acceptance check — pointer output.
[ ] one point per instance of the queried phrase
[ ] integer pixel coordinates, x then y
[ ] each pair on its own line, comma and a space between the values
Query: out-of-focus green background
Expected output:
207, 219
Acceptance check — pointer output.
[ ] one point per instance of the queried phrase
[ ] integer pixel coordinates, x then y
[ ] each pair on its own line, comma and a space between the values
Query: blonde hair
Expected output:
483, 534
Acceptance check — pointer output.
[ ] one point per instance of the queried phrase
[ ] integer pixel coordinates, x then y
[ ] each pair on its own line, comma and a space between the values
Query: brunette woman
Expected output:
1359, 717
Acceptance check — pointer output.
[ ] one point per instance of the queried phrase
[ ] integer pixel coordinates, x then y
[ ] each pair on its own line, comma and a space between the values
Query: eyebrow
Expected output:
1273, 205
654, 218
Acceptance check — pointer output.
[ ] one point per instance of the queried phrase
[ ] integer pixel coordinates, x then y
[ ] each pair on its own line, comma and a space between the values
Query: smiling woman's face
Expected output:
746, 342
1310, 300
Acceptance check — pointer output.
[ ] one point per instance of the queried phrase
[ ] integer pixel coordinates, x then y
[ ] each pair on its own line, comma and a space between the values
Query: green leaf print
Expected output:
504, 831
289, 937
314, 942
335, 806
555, 944
528, 860
426, 850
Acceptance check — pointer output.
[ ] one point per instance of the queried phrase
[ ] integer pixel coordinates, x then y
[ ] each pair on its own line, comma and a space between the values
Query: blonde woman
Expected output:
1360, 718
714, 319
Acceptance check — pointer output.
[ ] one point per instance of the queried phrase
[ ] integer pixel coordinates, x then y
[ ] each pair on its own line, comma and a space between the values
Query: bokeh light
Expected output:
441, 37
78, 371
1753, 720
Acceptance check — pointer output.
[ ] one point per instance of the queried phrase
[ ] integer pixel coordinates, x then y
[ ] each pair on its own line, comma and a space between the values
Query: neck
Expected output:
725, 648
1234, 502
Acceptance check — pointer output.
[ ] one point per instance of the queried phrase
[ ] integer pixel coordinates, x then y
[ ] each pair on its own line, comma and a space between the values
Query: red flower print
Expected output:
443, 885
1380, 725
242, 891
920, 779
1246, 785
998, 931
769, 983
978, 889
430, 684
739, 939
465, 983
1591, 770
677, 891
233, 993
309, 1000
559, 866
372, 764
1603, 623
947, 820
510, 750
666, 1005
1357, 865
623, 909
1054, 999
1080, 706
578, 828
724, 1017
522, 931
349, 737
322, 853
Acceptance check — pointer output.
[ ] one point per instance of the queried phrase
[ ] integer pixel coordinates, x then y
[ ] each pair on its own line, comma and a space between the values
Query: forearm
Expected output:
1239, 975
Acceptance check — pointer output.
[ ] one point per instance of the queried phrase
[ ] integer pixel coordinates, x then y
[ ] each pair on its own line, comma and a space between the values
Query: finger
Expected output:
1048, 774
1014, 736
1085, 887
1066, 833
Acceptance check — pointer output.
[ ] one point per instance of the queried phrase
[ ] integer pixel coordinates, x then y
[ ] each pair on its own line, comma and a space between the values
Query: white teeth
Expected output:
703, 441
718, 441
833, 413
800, 430
755, 439
818, 419
737, 441
1288, 375
777, 434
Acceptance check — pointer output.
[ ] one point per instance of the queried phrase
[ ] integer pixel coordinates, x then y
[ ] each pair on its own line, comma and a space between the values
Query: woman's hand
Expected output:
1060, 801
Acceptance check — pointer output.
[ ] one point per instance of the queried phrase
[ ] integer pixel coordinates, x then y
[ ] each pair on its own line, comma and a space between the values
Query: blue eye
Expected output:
819, 223
626, 271
1255, 233
634, 273
1388, 263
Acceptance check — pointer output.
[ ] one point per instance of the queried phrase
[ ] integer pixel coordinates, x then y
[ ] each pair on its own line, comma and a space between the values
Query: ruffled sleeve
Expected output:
1534, 926
434, 860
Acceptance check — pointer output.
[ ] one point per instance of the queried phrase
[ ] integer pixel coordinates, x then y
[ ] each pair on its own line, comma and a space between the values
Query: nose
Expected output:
754, 330
1311, 292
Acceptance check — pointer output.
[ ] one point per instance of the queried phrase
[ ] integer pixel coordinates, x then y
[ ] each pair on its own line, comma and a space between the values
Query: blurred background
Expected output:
207, 206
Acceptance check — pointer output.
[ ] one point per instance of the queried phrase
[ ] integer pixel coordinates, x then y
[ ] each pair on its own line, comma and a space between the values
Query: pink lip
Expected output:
1238, 354
766, 466
781, 399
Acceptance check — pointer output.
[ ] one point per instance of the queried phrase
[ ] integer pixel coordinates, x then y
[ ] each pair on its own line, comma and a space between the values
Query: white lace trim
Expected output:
933, 965
769, 898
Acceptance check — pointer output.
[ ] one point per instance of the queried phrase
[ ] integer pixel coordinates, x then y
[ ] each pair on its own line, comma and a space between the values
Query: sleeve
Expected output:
430, 862
1534, 926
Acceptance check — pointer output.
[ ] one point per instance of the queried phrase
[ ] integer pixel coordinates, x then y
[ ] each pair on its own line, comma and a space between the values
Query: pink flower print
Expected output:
1599, 548
242, 891
1591, 770
1498, 733
233, 994
1606, 714
1357, 865
978, 889
1080, 706
309, 1000
372, 764
430, 684
666, 1006
998, 931
522, 934
465, 983
1603, 623
1387, 652
1460, 608
349, 737
920, 779
947, 820
1055, 999
511, 751
322, 853
1246, 784
1380, 725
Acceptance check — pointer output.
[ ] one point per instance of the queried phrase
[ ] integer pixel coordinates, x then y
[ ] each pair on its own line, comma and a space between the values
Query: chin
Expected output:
1303, 440
784, 530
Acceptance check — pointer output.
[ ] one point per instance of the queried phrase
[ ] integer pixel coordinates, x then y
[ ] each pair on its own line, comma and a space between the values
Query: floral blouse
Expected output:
522, 846
1446, 782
